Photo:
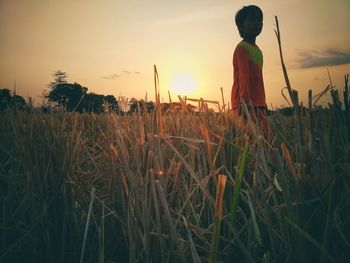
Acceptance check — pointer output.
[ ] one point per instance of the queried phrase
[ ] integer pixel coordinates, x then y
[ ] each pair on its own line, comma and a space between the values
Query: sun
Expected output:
183, 83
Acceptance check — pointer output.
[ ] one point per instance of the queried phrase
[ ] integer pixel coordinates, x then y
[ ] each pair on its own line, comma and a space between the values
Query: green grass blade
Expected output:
237, 190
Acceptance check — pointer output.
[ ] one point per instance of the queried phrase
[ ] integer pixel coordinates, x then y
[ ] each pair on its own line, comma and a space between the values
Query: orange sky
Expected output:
110, 46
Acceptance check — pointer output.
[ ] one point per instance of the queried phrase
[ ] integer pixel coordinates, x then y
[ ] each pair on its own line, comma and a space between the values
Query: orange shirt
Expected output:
248, 83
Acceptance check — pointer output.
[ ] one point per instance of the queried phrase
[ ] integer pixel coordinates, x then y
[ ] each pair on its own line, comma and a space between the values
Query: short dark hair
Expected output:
244, 12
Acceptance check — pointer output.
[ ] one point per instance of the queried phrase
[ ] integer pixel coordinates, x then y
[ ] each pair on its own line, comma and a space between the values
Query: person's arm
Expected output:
242, 60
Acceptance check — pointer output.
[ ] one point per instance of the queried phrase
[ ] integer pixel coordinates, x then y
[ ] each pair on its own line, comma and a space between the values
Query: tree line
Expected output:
73, 97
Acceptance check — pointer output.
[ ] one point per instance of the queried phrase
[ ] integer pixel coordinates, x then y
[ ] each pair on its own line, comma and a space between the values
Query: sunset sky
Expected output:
110, 46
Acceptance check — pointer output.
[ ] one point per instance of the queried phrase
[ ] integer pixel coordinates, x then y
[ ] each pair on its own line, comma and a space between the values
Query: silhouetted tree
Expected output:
141, 105
133, 105
111, 103
67, 95
18, 102
92, 103
11, 101
74, 97
60, 77
5, 98
98, 103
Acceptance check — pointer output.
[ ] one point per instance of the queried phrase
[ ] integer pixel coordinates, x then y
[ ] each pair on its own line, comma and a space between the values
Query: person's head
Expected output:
249, 21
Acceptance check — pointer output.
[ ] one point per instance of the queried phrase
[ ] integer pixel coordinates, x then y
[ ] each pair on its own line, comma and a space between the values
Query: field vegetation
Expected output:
180, 187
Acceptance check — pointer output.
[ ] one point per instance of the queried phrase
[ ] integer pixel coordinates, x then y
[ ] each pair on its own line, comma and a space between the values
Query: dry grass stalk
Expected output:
220, 189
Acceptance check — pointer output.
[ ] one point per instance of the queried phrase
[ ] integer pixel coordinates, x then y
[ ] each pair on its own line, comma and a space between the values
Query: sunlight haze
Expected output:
183, 84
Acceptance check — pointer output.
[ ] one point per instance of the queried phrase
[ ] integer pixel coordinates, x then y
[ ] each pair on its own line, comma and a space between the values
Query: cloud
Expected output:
322, 58
128, 72
123, 74
111, 76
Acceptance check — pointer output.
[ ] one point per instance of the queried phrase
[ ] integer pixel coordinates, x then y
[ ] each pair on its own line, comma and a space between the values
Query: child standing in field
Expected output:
248, 85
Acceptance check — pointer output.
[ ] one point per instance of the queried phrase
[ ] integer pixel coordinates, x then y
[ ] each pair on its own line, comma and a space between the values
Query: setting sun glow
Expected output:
183, 84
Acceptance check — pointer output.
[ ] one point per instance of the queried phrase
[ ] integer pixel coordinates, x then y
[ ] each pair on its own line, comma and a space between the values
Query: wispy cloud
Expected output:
322, 58
124, 73
111, 76
129, 72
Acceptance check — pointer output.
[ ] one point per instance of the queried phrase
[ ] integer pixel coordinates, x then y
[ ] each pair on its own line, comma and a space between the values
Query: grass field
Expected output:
180, 187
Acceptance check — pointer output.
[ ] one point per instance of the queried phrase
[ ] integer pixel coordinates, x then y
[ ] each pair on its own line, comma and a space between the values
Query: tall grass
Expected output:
107, 187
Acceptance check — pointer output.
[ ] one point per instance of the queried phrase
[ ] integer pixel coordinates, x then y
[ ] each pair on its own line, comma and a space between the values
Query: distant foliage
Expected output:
60, 77
5, 98
74, 97
67, 95
140, 105
9, 101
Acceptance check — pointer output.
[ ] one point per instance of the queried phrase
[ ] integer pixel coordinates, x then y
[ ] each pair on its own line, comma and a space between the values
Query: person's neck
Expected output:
250, 40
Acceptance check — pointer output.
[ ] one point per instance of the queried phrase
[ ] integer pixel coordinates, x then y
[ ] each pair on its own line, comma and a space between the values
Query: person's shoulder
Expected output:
240, 48
240, 44
250, 47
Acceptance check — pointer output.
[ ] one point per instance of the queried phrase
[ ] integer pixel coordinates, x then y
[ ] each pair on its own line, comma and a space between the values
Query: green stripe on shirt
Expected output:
255, 53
